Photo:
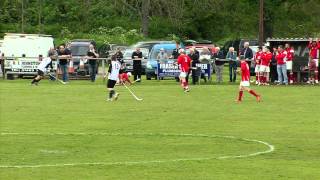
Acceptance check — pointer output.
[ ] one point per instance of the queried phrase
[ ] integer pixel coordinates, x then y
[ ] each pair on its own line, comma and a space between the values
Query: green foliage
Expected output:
206, 19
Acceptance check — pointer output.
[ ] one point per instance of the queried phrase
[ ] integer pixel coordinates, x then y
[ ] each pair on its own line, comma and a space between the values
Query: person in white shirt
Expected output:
42, 67
162, 55
113, 76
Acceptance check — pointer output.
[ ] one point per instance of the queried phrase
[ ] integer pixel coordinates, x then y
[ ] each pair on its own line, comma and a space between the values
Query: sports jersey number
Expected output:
116, 66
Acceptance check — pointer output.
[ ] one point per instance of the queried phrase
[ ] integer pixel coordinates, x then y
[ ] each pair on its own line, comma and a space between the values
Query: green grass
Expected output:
288, 118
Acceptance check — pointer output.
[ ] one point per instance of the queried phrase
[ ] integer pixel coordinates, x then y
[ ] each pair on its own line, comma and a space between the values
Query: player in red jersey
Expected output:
265, 65
184, 62
314, 48
124, 78
289, 58
257, 59
245, 81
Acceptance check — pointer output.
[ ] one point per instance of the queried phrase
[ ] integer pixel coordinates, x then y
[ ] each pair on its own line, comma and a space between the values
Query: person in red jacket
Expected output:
184, 62
289, 58
314, 48
245, 81
281, 66
265, 65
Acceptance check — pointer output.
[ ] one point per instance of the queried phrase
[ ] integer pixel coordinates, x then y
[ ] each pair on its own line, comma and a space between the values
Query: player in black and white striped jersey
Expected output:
113, 76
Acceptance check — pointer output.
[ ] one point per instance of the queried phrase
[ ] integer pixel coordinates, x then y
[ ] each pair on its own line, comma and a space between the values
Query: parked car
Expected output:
107, 50
149, 44
152, 62
129, 62
79, 49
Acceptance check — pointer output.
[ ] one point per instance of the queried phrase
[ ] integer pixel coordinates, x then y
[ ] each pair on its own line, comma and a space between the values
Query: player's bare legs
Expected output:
242, 88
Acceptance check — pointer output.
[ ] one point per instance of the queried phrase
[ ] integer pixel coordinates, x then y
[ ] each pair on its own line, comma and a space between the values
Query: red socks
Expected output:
240, 95
253, 93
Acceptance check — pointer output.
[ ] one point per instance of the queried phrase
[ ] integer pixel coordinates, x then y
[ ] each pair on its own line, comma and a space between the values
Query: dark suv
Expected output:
79, 49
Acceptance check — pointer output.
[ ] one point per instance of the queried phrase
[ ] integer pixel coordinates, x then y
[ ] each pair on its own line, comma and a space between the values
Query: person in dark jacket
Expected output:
137, 67
273, 67
92, 54
219, 64
175, 52
194, 55
247, 53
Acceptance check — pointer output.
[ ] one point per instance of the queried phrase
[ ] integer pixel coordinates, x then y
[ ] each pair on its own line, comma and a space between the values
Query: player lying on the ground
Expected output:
124, 78
245, 81
42, 67
184, 62
113, 76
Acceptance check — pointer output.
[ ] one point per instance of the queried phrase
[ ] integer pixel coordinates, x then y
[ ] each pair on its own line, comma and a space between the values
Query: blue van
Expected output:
152, 62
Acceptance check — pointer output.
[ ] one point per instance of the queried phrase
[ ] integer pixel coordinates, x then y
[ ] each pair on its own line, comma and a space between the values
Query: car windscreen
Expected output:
79, 50
157, 51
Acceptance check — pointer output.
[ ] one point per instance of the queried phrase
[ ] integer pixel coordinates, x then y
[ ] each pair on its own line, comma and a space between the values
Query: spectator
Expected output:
162, 55
64, 55
92, 53
232, 57
281, 66
289, 59
314, 48
273, 67
137, 57
2, 64
175, 52
194, 55
219, 64
247, 53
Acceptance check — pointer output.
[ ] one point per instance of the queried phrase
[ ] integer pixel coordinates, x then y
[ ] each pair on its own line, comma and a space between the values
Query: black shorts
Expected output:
40, 73
111, 83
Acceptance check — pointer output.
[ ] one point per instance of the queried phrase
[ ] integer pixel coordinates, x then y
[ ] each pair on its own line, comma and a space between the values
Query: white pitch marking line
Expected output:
269, 150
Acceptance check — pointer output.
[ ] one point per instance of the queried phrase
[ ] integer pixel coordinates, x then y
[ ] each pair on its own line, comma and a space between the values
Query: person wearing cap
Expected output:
184, 62
137, 68
162, 55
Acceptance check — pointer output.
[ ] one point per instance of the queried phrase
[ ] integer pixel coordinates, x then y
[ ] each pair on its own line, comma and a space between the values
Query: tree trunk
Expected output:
145, 17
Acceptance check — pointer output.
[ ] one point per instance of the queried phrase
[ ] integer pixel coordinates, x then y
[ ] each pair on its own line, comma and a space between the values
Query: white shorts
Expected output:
257, 68
317, 62
183, 75
289, 65
264, 68
245, 83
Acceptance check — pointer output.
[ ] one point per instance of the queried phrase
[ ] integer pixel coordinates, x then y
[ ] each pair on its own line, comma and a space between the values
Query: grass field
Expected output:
56, 131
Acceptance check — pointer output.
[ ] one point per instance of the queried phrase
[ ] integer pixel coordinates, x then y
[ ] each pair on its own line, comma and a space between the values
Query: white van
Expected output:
21, 52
